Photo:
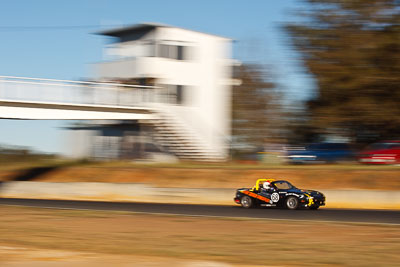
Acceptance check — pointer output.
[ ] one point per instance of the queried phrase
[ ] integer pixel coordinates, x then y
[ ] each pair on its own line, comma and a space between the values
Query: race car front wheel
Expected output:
292, 203
246, 202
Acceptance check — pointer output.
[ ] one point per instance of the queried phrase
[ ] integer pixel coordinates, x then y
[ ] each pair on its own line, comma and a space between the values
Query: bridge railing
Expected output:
51, 91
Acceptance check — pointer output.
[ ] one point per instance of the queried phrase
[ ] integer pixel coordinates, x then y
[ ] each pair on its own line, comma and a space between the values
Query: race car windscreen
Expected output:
283, 185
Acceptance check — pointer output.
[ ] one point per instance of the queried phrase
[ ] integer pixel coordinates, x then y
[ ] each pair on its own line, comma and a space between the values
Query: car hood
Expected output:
381, 151
312, 193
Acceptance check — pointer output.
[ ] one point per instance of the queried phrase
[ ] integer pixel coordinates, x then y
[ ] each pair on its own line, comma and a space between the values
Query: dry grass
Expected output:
189, 175
257, 242
384, 179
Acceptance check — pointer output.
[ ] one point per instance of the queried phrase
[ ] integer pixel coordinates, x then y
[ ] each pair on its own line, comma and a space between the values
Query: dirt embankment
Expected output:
305, 177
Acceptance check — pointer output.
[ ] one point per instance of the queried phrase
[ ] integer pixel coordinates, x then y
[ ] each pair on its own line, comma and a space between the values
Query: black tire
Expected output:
292, 203
314, 207
246, 202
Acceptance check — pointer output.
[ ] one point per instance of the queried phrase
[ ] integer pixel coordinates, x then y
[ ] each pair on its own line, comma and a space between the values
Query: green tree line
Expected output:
352, 50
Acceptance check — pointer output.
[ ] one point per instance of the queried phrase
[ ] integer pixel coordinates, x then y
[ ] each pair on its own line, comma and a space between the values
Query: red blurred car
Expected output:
385, 152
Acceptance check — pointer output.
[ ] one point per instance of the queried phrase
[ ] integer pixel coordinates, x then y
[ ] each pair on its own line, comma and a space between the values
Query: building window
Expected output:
164, 51
180, 53
179, 94
174, 94
177, 52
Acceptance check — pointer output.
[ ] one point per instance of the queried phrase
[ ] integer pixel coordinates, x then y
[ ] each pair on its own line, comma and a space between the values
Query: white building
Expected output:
191, 77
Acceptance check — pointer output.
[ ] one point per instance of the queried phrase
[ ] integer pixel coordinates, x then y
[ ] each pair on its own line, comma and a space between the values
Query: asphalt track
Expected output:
323, 214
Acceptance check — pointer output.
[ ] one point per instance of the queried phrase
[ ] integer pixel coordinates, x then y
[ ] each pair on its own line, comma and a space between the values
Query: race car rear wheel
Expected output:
246, 202
292, 203
314, 207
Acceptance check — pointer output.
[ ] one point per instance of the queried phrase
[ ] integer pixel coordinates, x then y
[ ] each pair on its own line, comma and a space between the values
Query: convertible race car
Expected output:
280, 193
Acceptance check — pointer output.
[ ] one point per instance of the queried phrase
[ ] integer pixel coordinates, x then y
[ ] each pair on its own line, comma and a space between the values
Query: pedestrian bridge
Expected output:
50, 99
179, 129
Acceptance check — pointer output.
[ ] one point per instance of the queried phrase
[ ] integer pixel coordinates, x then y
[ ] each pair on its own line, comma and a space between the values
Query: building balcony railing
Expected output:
127, 68
118, 69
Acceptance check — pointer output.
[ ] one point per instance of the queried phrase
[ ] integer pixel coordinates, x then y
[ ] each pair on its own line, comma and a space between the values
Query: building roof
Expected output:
148, 26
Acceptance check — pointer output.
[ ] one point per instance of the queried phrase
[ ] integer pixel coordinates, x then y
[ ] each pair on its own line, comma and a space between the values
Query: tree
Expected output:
352, 48
255, 109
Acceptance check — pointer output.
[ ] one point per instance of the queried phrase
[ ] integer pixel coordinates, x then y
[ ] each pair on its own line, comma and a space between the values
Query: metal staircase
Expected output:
179, 139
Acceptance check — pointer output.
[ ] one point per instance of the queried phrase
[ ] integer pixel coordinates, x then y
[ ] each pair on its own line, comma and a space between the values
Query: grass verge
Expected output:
196, 175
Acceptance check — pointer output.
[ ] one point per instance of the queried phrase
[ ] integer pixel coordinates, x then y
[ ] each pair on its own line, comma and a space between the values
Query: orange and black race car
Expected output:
278, 193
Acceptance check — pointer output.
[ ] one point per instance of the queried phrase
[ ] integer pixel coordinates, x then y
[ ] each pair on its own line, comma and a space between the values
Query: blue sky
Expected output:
66, 54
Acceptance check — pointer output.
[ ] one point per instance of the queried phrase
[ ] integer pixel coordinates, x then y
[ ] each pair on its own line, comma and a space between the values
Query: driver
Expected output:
266, 185
266, 188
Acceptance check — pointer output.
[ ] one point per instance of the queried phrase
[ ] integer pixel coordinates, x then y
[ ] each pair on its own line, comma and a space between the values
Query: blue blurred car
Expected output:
321, 153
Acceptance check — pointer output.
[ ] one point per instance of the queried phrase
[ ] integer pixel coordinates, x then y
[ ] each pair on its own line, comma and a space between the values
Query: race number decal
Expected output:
275, 197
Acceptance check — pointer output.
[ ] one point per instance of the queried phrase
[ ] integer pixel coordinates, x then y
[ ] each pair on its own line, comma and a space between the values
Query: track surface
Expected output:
337, 215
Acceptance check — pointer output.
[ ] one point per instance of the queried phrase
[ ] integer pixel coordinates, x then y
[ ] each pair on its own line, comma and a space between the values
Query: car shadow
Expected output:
30, 174
33, 173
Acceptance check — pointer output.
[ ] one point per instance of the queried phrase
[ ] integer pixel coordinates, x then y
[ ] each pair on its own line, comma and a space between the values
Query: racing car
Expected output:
278, 193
